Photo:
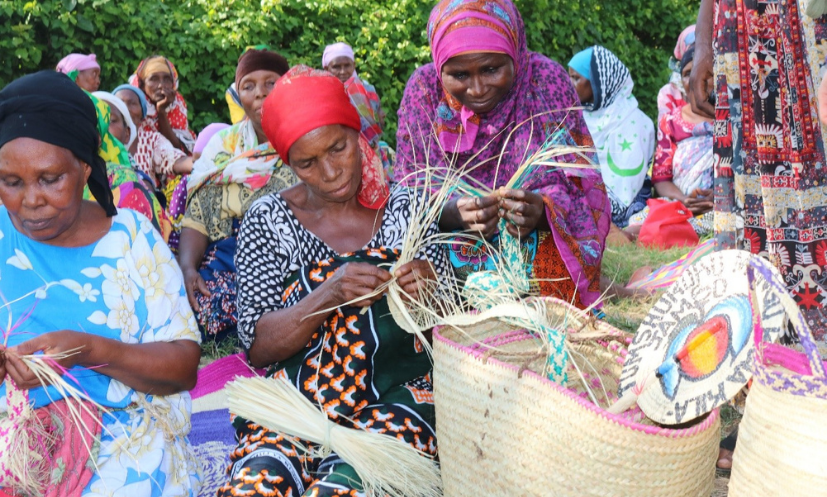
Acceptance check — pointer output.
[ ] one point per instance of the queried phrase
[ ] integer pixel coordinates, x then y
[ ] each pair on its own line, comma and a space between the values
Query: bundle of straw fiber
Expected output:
23, 443
782, 440
387, 466
504, 428
26, 442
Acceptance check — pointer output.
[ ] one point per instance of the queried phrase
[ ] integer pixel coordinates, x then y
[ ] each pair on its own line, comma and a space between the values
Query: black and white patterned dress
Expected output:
273, 244
361, 368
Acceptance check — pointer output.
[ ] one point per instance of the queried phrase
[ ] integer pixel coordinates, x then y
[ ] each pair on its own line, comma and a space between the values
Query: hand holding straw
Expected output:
387, 466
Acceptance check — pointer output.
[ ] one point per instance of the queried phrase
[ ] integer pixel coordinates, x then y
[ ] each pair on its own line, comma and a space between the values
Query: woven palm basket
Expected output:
504, 429
782, 439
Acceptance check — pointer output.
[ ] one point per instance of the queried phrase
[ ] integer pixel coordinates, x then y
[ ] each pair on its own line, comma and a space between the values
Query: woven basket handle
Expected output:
760, 268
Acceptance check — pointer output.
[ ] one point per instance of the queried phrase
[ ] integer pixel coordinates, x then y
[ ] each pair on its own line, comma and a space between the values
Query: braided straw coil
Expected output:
505, 429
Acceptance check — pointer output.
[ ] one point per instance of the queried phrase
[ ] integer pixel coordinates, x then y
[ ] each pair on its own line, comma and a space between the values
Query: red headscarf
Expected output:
305, 99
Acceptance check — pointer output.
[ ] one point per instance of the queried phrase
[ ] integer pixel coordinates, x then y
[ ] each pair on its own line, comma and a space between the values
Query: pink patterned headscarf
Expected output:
463, 27
77, 62
686, 38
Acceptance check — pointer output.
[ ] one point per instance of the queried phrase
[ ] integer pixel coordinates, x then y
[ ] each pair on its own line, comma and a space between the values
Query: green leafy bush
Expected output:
204, 38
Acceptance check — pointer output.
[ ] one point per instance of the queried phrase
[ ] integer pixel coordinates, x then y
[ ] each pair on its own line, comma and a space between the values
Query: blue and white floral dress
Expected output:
127, 286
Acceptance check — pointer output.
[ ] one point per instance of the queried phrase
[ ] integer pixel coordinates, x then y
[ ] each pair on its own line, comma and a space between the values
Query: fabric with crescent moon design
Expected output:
625, 140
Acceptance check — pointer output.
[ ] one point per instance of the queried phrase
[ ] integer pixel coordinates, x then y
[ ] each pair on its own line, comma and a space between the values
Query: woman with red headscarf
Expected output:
319, 245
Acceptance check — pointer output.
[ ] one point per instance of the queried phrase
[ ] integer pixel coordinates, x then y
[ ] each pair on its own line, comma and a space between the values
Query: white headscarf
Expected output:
123, 109
336, 50
623, 135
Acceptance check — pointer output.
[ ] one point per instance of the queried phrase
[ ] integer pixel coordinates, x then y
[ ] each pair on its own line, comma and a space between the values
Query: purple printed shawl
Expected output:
577, 207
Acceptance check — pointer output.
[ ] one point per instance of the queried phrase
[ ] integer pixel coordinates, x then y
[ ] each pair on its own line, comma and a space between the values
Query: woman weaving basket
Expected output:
324, 244
98, 291
463, 108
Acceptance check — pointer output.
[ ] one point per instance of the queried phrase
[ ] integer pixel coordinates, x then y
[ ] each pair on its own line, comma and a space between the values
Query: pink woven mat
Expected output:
213, 377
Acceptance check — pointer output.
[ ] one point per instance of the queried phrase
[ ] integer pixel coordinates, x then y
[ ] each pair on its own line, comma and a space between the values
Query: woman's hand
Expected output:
50, 344
479, 214
193, 282
701, 83
355, 280
699, 201
523, 210
416, 279
2, 363
471, 214
167, 98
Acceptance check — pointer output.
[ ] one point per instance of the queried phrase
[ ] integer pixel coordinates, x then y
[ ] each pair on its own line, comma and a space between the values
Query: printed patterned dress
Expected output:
233, 172
357, 366
126, 286
769, 187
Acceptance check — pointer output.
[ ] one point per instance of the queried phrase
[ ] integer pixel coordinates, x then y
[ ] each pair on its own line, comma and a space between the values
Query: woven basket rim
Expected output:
646, 429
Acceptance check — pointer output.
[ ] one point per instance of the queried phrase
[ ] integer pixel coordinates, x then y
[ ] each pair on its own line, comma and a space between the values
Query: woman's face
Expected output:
41, 185
479, 81
253, 89
89, 79
582, 86
133, 104
157, 85
341, 67
329, 162
685, 73
117, 125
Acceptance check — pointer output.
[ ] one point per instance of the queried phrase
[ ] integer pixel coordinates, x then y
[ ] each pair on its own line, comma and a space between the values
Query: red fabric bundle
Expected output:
667, 225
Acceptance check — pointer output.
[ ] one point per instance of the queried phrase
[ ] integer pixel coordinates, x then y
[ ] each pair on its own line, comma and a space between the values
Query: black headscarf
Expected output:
50, 107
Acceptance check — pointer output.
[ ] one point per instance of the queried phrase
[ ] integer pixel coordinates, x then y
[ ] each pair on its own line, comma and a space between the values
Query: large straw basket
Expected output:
782, 440
503, 429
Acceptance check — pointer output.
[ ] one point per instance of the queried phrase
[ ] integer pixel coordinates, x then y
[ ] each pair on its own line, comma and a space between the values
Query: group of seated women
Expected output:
677, 160
284, 224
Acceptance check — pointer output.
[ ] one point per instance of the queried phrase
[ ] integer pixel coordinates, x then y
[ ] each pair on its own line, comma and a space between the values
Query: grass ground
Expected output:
619, 262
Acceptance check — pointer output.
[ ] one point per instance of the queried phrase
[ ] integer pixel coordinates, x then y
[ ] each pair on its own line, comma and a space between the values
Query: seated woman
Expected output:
483, 83
319, 245
88, 71
166, 108
130, 190
623, 135
339, 60
671, 95
80, 275
150, 152
120, 121
237, 166
684, 162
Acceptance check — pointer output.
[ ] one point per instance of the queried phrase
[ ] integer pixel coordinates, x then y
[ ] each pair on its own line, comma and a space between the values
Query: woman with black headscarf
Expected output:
97, 289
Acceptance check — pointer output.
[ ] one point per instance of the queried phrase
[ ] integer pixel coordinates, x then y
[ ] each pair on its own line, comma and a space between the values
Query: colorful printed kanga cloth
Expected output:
770, 191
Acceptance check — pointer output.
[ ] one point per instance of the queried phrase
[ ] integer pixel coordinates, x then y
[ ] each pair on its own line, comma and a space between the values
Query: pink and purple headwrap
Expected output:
336, 50
77, 62
457, 28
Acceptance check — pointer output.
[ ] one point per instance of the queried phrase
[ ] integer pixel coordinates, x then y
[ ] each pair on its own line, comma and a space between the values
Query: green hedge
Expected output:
204, 38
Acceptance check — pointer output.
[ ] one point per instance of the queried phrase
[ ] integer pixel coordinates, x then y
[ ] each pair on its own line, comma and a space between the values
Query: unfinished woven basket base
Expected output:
782, 446
499, 432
